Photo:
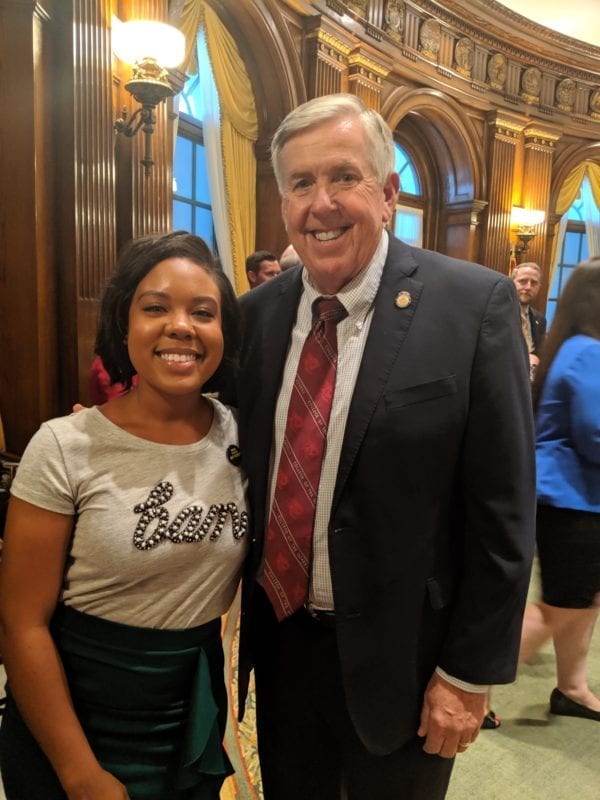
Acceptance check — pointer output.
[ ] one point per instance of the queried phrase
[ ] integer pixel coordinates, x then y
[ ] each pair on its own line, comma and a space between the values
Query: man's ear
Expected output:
251, 277
390, 193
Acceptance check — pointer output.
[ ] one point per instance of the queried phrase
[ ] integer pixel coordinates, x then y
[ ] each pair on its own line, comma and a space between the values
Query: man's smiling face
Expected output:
333, 206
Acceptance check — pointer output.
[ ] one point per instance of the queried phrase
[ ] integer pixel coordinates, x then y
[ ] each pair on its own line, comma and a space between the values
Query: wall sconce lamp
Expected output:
151, 48
523, 222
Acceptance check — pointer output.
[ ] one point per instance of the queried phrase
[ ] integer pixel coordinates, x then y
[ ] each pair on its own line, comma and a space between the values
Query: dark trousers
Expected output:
307, 744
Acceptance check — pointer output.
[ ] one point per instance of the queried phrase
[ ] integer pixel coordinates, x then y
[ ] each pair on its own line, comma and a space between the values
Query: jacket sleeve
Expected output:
497, 485
584, 379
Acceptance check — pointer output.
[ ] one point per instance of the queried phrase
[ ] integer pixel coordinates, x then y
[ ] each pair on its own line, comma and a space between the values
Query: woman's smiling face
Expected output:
174, 338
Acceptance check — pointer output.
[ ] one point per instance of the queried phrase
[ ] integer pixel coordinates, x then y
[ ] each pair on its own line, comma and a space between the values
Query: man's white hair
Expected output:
380, 142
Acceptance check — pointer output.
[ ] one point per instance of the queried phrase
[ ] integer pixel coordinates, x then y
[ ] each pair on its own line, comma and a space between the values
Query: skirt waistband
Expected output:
130, 636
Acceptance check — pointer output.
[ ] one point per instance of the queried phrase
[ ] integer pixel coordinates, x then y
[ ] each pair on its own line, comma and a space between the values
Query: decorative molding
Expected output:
336, 6
499, 40
327, 40
429, 38
367, 66
464, 53
394, 19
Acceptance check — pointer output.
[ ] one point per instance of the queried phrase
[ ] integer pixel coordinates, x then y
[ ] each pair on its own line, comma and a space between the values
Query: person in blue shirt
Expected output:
566, 396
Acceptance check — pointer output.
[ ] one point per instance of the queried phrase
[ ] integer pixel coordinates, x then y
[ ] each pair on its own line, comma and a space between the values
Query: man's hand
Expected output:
451, 718
77, 407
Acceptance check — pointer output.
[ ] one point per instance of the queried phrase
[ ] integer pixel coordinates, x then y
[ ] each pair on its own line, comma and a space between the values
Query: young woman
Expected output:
566, 394
125, 539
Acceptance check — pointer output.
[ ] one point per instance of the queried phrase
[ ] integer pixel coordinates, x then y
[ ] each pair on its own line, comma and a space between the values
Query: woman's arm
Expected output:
33, 563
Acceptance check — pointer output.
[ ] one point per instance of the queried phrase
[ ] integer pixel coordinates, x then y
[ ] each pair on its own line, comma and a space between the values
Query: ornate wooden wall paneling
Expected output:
92, 165
328, 48
367, 71
537, 177
504, 133
144, 201
28, 307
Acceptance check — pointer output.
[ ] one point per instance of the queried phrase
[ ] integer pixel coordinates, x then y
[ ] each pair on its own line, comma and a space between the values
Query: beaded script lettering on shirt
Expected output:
190, 525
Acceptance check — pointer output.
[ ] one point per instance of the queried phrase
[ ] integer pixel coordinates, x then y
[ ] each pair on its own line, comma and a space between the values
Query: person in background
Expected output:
289, 258
528, 280
261, 267
125, 538
386, 430
566, 394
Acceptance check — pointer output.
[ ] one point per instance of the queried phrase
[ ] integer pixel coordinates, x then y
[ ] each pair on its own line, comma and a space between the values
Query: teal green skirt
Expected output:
152, 703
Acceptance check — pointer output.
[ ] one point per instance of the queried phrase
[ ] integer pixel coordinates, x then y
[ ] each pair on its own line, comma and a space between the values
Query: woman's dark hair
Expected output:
577, 312
135, 261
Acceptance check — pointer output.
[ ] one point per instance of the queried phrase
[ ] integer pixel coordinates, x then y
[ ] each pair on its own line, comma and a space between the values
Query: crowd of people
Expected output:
374, 491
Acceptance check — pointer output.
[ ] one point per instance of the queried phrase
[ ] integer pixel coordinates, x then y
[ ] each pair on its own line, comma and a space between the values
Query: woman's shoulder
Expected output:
73, 424
578, 348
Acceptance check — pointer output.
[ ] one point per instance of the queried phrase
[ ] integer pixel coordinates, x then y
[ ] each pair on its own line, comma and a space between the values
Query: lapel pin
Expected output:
403, 299
233, 455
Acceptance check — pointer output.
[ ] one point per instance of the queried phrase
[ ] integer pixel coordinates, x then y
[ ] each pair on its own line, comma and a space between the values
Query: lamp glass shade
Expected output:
136, 40
526, 217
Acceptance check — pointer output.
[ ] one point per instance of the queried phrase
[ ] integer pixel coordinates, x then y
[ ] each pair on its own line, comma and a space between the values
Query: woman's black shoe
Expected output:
565, 707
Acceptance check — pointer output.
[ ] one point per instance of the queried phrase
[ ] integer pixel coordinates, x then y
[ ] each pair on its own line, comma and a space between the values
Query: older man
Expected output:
385, 426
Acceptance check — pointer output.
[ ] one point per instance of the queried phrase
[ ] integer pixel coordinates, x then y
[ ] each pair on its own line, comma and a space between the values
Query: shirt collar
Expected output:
358, 295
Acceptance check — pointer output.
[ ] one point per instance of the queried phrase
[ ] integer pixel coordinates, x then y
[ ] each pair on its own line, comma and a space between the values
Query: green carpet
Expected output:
532, 756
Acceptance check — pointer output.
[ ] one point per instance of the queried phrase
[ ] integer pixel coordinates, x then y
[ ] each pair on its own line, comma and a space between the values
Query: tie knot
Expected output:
328, 309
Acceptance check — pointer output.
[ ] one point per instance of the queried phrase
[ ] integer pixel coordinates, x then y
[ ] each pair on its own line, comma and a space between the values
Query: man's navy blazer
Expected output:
538, 329
432, 524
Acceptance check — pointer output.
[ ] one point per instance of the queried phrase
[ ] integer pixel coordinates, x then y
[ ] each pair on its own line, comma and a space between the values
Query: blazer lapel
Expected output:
389, 326
263, 373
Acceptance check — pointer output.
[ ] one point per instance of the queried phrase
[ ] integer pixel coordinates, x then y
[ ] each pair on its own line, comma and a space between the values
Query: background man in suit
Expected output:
528, 280
422, 520
261, 266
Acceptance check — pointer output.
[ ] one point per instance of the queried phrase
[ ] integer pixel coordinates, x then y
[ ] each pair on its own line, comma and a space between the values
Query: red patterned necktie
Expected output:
288, 543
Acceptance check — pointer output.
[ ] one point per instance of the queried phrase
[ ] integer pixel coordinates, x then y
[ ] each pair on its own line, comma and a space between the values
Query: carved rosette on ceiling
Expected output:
497, 71
429, 39
595, 104
464, 53
394, 19
531, 83
565, 94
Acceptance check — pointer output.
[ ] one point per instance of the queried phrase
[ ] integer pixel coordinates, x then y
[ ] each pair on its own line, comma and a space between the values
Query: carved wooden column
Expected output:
86, 196
504, 131
327, 50
535, 193
463, 229
28, 307
366, 74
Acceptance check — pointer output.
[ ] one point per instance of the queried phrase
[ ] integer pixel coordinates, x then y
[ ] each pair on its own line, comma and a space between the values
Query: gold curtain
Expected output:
594, 176
566, 198
570, 188
187, 15
238, 123
239, 131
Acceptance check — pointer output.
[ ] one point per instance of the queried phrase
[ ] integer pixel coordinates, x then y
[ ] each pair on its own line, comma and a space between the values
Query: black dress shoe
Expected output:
565, 707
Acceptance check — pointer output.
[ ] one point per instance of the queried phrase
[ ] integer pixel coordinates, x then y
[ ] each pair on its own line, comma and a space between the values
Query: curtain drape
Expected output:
591, 201
230, 130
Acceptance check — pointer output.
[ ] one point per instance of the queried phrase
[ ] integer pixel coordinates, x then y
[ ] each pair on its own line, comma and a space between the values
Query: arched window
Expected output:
192, 210
408, 218
574, 250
